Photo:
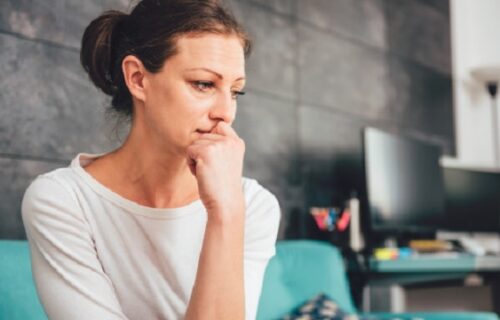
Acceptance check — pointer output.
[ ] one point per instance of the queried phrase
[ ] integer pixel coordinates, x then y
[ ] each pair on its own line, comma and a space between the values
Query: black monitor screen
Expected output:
404, 183
472, 200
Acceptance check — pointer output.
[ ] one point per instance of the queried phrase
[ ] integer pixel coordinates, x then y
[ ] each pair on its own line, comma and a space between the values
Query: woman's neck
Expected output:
144, 173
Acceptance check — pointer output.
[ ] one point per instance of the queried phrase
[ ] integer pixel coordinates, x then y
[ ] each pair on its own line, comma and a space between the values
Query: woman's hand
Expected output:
216, 160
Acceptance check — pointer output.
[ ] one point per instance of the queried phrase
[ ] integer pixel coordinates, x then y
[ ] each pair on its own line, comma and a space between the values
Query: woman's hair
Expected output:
149, 33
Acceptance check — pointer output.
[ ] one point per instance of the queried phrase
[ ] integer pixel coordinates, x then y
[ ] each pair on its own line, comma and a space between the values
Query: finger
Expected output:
210, 136
223, 128
203, 142
196, 152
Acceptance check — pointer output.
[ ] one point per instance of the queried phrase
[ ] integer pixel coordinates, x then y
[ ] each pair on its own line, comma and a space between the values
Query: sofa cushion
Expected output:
321, 306
300, 270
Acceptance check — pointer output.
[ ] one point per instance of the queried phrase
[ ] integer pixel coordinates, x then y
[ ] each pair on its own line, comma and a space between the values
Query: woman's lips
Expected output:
205, 131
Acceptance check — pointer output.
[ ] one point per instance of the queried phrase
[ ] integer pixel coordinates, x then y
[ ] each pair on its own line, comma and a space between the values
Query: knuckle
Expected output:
210, 148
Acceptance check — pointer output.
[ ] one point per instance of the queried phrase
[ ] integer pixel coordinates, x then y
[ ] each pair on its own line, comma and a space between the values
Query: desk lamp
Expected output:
490, 77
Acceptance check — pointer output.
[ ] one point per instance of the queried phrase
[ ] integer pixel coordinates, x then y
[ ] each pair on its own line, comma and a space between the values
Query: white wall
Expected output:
475, 30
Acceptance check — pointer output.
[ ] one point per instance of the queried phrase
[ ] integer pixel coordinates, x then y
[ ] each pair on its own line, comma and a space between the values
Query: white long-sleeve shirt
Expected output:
98, 255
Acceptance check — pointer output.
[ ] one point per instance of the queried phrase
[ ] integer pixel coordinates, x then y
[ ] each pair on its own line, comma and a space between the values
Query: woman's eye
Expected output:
203, 85
235, 94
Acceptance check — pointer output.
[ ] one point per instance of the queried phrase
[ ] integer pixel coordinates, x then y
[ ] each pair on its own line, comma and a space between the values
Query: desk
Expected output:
431, 264
386, 278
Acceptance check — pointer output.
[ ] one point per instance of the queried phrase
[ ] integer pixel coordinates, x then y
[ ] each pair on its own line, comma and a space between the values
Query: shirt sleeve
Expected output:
261, 231
68, 275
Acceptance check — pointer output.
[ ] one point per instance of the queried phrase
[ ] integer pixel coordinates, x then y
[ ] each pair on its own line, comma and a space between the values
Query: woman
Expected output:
165, 226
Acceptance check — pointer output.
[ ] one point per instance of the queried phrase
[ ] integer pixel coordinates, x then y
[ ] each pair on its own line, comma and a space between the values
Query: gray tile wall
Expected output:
320, 71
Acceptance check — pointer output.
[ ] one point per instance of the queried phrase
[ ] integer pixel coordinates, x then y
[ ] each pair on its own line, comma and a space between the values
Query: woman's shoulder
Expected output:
263, 216
259, 200
254, 190
57, 179
50, 205
53, 187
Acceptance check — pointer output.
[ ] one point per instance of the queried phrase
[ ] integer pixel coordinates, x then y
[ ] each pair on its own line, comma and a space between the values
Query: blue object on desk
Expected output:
405, 253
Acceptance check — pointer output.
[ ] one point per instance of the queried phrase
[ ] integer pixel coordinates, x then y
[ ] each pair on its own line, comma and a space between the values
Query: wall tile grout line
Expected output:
271, 96
338, 110
40, 41
14, 156
356, 118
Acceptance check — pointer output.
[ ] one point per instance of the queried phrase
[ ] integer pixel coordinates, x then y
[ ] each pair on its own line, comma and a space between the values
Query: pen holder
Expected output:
330, 218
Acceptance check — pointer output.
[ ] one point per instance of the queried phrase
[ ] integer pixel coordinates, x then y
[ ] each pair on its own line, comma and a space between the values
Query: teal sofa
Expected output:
303, 268
299, 270
18, 297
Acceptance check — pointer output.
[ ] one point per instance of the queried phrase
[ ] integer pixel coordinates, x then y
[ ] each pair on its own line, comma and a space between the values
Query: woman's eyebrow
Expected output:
214, 72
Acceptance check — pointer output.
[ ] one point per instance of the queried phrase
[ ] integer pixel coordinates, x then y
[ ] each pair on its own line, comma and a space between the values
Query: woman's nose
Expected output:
224, 108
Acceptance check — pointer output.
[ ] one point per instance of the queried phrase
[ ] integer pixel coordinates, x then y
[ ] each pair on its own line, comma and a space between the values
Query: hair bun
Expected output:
97, 49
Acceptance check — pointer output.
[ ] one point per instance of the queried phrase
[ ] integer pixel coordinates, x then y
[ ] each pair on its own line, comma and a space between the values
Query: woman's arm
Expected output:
70, 281
262, 218
218, 292
216, 160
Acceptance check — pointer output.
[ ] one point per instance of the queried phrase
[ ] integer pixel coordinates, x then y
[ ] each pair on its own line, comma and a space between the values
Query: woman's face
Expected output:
195, 89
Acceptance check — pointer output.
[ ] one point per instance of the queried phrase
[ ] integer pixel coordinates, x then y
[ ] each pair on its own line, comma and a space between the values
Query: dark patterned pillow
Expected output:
322, 307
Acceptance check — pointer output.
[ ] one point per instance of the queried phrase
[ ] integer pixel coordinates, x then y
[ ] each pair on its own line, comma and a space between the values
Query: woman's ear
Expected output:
134, 74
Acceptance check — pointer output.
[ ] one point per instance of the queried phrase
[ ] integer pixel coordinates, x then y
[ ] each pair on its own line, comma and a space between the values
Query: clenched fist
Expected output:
216, 160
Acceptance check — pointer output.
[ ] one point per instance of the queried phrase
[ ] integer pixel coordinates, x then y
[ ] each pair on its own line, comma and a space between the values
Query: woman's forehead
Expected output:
213, 51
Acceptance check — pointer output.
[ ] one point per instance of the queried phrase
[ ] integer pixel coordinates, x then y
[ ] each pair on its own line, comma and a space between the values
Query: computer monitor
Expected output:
404, 184
472, 200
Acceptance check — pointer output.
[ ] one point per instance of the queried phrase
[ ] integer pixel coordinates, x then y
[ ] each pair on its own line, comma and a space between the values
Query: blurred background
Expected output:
320, 73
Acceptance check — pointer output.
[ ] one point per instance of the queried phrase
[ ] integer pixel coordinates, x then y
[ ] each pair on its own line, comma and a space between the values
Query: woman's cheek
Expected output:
203, 102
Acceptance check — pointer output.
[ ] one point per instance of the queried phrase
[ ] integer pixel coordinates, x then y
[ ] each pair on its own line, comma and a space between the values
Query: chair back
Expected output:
299, 270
